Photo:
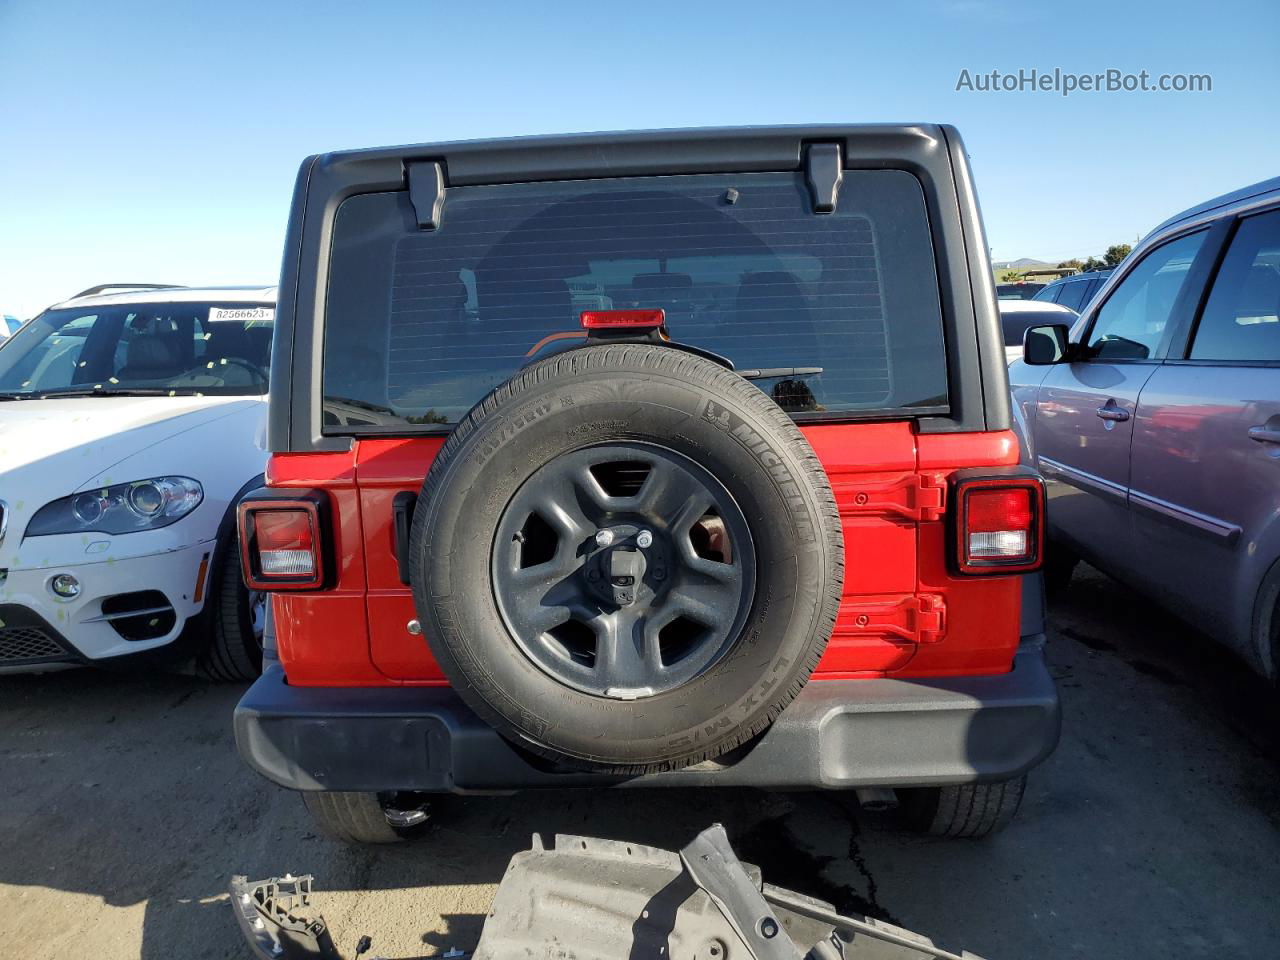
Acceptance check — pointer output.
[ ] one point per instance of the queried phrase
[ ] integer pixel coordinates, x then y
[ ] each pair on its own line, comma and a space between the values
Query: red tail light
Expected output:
619, 319
999, 524
280, 544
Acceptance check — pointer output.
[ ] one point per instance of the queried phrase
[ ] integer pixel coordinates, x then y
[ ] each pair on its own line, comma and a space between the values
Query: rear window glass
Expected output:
1072, 294
420, 325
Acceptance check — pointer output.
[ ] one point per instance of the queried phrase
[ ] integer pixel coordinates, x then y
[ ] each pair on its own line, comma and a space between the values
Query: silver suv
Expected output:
1156, 422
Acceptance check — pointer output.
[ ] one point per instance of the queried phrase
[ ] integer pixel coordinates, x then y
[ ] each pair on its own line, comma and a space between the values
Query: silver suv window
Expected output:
1132, 321
1241, 319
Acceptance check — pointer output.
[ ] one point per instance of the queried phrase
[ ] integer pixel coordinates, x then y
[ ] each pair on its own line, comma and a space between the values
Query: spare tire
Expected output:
627, 558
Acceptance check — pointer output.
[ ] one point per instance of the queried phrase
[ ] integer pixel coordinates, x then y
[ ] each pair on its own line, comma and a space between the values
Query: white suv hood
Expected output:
54, 447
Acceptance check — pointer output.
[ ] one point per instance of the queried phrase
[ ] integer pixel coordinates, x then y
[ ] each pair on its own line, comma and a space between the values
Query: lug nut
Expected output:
644, 538
604, 538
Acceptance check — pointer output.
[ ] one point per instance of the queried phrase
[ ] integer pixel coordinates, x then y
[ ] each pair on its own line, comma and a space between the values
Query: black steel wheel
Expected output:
623, 569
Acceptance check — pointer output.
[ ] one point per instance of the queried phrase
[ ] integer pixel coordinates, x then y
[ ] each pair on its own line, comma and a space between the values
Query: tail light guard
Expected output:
997, 521
304, 515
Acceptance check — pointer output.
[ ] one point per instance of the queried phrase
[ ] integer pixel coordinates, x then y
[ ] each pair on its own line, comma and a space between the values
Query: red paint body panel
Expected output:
902, 611
896, 547
323, 637
983, 613
955, 451
385, 468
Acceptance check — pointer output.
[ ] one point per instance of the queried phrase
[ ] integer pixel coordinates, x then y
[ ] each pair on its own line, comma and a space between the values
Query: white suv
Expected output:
130, 425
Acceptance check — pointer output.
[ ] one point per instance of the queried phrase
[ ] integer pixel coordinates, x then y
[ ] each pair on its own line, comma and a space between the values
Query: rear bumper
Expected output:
837, 734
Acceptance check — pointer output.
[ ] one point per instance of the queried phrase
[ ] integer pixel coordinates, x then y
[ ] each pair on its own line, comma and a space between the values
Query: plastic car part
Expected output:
999, 521
295, 531
613, 900
270, 916
823, 172
623, 319
636, 326
120, 508
104, 287
609, 899
426, 193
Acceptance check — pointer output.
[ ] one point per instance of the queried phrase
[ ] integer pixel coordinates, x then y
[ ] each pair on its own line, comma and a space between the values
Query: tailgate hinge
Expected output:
920, 618
426, 192
915, 496
823, 172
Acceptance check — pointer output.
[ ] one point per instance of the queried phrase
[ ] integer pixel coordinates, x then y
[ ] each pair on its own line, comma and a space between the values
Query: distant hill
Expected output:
1021, 263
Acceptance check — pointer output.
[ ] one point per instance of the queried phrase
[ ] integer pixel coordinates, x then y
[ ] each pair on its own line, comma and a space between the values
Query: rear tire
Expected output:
354, 817
1266, 625
970, 810
234, 649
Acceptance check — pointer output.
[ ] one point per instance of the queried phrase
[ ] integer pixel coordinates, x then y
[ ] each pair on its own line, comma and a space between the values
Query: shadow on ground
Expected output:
1154, 829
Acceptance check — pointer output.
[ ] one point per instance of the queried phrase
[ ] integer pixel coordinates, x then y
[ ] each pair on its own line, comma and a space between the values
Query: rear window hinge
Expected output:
914, 496
823, 172
919, 618
426, 192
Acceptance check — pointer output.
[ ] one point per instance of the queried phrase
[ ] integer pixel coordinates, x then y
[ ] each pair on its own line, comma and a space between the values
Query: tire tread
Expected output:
350, 817
971, 810
228, 657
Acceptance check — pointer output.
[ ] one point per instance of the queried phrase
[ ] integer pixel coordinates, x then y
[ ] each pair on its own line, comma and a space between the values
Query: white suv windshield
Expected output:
220, 349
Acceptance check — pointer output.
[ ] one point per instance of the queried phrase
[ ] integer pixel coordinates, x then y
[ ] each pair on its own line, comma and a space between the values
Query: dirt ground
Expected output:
1153, 831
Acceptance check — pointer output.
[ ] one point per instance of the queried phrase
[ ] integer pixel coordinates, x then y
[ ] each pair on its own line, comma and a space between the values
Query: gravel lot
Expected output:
1153, 831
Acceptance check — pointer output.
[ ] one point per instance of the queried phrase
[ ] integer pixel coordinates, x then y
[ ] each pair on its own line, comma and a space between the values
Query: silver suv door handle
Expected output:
1113, 413
1264, 434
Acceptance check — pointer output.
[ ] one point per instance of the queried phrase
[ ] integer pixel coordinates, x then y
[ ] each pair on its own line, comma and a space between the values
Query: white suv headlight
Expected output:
121, 508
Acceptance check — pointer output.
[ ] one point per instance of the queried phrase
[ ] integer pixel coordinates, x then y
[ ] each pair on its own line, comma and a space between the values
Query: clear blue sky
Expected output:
158, 141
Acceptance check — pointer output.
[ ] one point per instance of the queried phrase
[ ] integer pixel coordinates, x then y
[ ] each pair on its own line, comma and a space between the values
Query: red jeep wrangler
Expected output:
646, 459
